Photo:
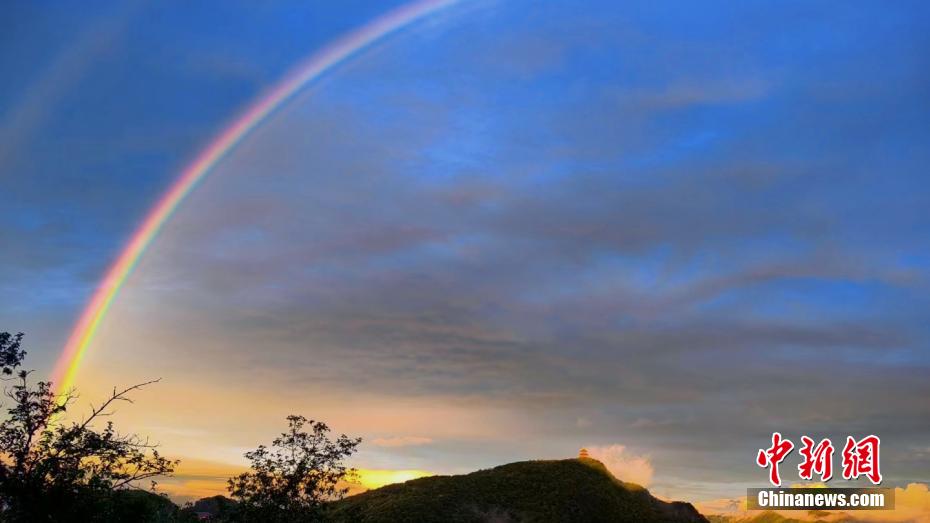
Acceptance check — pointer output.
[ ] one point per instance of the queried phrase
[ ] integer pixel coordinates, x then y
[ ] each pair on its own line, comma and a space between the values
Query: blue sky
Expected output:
122, 95
670, 228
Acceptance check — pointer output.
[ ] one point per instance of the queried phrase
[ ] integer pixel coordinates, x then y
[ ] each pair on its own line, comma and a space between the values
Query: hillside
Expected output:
529, 491
774, 517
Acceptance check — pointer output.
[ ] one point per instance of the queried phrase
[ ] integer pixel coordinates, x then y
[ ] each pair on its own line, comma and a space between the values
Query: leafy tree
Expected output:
53, 470
11, 352
142, 506
292, 480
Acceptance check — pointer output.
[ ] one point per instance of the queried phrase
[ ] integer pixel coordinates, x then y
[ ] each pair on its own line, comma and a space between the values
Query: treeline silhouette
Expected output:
54, 469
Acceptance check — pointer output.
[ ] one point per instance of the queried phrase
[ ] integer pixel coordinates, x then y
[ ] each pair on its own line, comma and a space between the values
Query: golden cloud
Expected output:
622, 464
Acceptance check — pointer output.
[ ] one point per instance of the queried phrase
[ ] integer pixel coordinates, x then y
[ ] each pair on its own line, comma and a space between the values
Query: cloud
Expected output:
673, 254
622, 464
196, 478
912, 503
402, 441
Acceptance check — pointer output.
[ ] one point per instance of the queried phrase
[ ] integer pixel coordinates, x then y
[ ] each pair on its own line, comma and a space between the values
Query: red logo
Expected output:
860, 458
774, 455
819, 460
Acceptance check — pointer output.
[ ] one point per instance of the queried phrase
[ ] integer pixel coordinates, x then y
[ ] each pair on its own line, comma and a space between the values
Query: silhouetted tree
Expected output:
292, 480
11, 352
53, 470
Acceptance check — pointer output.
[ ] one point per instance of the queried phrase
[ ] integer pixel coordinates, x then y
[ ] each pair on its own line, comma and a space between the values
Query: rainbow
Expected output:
66, 368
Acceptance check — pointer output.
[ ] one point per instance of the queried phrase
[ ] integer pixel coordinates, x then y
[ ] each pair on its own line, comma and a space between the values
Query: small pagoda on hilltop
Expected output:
583, 454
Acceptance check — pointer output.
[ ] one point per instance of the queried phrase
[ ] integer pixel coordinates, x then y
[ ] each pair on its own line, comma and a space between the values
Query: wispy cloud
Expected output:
402, 441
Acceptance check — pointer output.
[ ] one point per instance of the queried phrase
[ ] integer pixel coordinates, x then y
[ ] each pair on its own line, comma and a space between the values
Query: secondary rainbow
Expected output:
316, 65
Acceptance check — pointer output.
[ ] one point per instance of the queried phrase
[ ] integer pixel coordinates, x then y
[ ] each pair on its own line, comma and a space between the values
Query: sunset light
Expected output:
465, 261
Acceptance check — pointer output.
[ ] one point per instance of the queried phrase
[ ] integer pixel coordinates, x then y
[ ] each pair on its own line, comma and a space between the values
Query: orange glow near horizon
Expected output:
377, 478
195, 479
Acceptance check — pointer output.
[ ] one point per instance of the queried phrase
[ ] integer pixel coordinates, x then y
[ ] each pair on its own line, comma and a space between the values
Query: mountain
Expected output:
774, 517
214, 507
529, 491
